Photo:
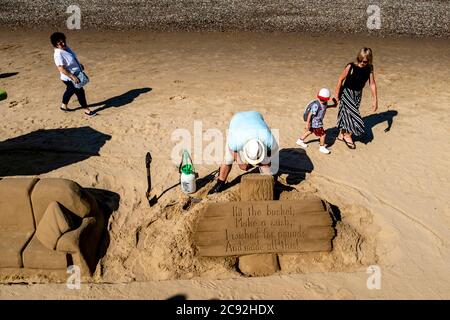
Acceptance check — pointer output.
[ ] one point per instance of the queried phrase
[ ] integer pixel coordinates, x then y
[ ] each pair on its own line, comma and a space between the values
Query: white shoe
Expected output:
324, 149
301, 143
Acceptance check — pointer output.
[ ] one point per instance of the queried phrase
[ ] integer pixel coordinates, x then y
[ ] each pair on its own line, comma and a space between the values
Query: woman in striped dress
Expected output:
349, 92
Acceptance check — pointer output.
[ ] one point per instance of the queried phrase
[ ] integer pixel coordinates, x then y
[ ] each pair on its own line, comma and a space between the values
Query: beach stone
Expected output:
257, 187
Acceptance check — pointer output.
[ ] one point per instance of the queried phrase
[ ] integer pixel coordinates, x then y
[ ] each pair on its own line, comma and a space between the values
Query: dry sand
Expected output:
391, 191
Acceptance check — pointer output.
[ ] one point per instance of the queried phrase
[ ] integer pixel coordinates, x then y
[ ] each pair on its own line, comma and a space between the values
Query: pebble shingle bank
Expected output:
403, 17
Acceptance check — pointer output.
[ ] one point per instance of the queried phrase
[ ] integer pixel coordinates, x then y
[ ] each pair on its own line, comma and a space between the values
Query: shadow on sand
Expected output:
8, 74
373, 120
369, 122
295, 163
200, 183
119, 101
43, 150
108, 202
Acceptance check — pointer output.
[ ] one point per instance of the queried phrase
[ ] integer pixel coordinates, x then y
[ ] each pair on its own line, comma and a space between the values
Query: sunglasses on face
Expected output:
365, 61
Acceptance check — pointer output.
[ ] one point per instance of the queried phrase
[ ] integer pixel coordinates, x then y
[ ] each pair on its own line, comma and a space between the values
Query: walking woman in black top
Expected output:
349, 92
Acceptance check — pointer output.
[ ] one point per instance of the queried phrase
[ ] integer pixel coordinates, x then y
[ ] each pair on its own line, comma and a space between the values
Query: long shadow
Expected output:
43, 150
373, 120
369, 122
200, 183
154, 200
121, 100
8, 74
331, 136
206, 179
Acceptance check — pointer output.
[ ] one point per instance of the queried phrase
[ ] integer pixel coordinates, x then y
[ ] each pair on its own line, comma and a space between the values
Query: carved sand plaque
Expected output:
248, 227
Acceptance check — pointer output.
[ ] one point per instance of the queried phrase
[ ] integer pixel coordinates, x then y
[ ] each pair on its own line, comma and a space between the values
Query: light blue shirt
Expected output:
249, 125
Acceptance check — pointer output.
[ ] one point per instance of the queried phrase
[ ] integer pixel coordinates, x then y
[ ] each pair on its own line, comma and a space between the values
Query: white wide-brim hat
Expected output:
254, 151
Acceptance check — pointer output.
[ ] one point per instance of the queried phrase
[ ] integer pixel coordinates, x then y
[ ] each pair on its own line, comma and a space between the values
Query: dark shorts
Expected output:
317, 131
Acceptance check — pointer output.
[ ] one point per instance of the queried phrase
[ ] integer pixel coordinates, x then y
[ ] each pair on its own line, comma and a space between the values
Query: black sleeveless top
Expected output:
357, 77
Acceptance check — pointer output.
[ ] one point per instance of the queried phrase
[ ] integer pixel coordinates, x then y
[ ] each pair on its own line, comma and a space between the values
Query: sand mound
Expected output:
160, 247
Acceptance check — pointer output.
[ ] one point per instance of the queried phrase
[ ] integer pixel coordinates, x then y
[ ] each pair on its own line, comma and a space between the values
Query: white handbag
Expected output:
81, 75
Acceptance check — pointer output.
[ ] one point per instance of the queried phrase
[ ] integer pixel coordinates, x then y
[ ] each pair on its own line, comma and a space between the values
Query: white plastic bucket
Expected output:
188, 184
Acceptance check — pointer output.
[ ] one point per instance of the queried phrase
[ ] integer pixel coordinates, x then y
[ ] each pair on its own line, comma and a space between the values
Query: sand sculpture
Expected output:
48, 224
258, 227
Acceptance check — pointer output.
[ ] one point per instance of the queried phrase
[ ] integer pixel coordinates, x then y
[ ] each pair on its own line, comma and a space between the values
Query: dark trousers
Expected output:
70, 91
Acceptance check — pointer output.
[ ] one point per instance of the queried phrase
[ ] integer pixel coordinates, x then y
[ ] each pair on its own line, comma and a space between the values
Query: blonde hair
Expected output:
365, 53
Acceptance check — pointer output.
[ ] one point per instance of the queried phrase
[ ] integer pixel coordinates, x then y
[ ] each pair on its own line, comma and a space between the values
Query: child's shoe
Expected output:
301, 143
324, 149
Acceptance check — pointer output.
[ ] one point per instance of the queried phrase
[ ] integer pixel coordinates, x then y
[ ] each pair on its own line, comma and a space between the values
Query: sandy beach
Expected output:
392, 191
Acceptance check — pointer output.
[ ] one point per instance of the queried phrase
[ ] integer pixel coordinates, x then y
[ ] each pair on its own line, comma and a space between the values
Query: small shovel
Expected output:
148, 161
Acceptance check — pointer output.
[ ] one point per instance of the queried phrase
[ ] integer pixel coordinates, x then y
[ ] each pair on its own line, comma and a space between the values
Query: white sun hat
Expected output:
254, 151
324, 94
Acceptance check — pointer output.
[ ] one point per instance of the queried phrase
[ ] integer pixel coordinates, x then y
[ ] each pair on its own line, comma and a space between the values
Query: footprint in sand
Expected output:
12, 104
9, 46
177, 97
19, 103
314, 287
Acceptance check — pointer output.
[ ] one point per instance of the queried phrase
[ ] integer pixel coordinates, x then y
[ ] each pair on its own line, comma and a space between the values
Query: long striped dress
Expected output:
349, 118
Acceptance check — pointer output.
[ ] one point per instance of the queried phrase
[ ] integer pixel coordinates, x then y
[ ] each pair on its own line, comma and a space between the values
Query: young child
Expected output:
314, 121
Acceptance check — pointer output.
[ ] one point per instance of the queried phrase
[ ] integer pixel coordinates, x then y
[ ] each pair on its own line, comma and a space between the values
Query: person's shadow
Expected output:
120, 100
369, 122
373, 120
8, 74
45, 150
296, 163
